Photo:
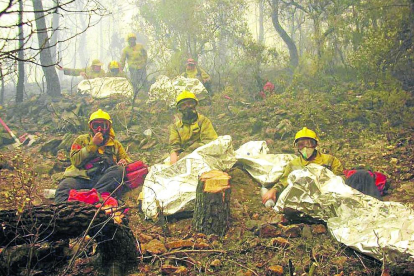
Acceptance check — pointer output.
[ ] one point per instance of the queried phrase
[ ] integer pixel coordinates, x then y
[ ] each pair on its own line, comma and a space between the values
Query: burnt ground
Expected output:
258, 241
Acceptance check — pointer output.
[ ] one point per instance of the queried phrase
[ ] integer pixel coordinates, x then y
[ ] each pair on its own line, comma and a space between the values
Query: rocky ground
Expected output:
259, 241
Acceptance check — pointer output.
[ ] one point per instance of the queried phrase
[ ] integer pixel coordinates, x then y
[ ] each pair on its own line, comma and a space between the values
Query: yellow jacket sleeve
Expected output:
175, 140
73, 72
82, 149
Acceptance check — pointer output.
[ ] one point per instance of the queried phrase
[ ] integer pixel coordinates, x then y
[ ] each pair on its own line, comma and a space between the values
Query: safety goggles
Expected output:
308, 143
96, 125
186, 104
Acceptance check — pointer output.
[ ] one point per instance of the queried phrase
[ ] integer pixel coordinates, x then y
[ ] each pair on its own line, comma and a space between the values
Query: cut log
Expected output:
212, 206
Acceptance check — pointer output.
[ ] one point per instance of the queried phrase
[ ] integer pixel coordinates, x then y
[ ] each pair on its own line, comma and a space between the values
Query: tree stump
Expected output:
212, 206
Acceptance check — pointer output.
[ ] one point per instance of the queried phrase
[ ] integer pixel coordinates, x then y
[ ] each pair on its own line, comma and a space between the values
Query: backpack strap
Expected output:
329, 163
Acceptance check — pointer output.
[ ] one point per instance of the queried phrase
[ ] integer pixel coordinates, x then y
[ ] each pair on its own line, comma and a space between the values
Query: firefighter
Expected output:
114, 70
97, 160
305, 142
196, 72
192, 131
136, 56
91, 72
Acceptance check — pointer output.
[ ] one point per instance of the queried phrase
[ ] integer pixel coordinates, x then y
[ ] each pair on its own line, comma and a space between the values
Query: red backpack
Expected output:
380, 179
135, 174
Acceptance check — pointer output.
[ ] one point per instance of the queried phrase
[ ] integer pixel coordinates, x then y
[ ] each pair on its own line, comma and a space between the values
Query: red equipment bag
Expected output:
135, 174
380, 179
93, 197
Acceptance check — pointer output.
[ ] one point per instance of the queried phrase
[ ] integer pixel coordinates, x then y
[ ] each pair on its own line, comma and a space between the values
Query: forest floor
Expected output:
248, 247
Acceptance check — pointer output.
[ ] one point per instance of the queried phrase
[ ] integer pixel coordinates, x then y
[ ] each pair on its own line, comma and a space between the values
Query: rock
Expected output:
142, 238
268, 231
255, 216
155, 247
291, 231
274, 270
201, 245
42, 168
340, 261
215, 263
67, 142
168, 269
307, 232
179, 244
181, 270
318, 229
51, 146
252, 225
279, 241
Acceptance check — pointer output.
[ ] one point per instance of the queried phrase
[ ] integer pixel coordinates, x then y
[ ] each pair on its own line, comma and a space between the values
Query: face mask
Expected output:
189, 115
307, 152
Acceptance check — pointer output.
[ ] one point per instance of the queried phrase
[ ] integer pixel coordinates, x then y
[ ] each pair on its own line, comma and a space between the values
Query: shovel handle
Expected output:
9, 131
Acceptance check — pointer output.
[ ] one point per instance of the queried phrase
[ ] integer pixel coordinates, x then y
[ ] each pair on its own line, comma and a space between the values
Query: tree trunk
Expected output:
54, 37
293, 52
261, 22
2, 87
212, 206
52, 79
20, 62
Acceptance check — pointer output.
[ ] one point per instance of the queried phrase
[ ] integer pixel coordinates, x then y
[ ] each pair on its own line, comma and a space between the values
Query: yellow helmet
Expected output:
100, 115
113, 65
186, 95
131, 35
96, 62
306, 133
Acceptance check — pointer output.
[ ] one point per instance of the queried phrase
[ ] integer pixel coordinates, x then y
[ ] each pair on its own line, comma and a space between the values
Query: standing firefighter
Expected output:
196, 72
136, 56
192, 131
91, 72
305, 142
97, 160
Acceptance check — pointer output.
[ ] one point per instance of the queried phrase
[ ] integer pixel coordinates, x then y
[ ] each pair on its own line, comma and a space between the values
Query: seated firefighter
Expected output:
97, 160
114, 70
305, 142
196, 72
91, 72
192, 131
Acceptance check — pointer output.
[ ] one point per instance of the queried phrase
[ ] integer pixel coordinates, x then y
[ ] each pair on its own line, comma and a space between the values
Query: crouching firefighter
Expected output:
97, 160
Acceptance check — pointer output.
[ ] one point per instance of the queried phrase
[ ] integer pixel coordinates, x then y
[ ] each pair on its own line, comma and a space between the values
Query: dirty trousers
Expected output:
138, 79
106, 182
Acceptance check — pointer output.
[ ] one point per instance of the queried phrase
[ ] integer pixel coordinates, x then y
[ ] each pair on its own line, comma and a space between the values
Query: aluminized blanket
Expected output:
105, 87
173, 187
263, 167
165, 89
370, 226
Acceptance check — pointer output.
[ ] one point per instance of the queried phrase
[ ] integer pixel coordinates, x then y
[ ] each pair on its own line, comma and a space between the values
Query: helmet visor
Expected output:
99, 125
305, 142
188, 103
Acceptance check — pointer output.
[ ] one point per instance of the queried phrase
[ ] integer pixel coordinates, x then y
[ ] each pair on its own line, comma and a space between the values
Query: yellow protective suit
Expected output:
185, 138
136, 56
326, 160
